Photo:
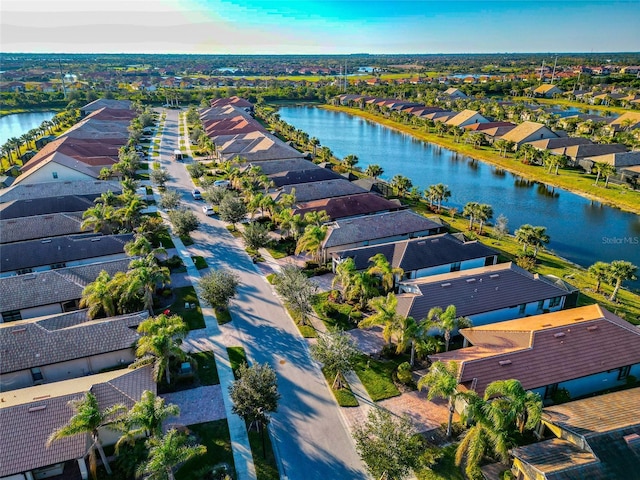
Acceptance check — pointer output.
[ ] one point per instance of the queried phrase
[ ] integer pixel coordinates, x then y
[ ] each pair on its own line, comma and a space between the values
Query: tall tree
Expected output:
600, 271
442, 381
484, 212
349, 162
297, 290
344, 275
471, 210
87, 420
338, 353
160, 343
385, 314
620, 271
144, 276
385, 271
374, 171
99, 297
219, 287
145, 418
311, 241
519, 407
447, 321
167, 454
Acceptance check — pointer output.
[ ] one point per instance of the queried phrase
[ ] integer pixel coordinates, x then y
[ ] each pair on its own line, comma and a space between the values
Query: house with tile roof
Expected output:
626, 121
594, 438
348, 206
583, 350
50, 291
45, 206
453, 93
619, 160
39, 226
93, 188
547, 91
58, 252
579, 155
376, 229
311, 191
528, 132
101, 103
276, 166
29, 415
63, 346
466, 117
254, 147
422, 257
312, 174
486, 295
57, 167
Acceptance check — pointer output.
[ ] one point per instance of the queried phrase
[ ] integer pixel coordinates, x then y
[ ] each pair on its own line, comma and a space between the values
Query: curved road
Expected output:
310, 437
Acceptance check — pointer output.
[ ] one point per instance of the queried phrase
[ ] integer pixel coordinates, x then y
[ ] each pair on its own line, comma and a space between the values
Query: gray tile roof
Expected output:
25, 427
420, 253
53, 286
379, 226
307, 192
315, 174
35, 253
274, 166
39, 226
477, 290
58, 189
45, 206
28, 344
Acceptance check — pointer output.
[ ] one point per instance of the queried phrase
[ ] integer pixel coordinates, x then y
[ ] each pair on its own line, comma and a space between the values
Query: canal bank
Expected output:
570, 180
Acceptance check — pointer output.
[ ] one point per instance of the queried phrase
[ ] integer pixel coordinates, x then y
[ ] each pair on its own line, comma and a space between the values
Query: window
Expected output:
36, 375
24, 271
11, 316
555, 301
55, 174
522, 308
623, 372
455, 267
550, 390
540, 304
58, 265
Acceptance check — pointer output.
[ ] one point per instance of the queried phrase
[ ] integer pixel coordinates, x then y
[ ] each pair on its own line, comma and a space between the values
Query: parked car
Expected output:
207, 210
222, 183
196, 194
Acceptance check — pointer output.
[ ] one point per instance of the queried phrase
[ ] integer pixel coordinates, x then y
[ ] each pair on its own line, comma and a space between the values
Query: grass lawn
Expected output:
282, 248
270, 278
574, 180
444, 469
307, 331
264, 459
344, 396
192, 316
234, 231
207, 371
215, 436
223, 315
186, 240
336, 316
237, 357
144, 166
199, 262
376, 376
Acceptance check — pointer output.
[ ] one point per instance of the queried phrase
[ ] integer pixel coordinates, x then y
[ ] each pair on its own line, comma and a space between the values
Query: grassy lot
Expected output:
199, 262
264, 459
562, 102
573, 180
207, 371
336, 316
223, 315
215, 436
376, 376
192, 316
344, 396
237, 357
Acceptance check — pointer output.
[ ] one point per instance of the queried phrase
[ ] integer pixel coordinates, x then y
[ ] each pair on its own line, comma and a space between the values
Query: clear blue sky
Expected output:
319, 26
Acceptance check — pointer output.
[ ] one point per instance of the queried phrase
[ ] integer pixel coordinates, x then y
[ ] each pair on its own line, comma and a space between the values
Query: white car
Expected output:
222, 184
207, 210
196, 194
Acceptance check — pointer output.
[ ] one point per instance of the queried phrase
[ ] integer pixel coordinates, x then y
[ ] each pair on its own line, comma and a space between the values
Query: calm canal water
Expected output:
19, 123
581, 231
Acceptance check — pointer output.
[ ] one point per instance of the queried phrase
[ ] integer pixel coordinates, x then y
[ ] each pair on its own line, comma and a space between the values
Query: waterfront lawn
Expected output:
570, 179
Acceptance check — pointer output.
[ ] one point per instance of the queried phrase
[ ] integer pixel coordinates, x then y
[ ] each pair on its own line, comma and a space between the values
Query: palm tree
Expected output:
350, 161
374, 171
383, 269
447, 321
603, 169
146, 418
414, 334
99, 296
538, 238
314, 143
345, 272
519, 407
130, 213
621, 270
316, 217
524, 236
167, 454
442, 381
87, 420
401, 184
99, 218
600, 271
160, 342
470, 210
311, 241
385, 314
362, 288
440, 193
144, 276
484, 212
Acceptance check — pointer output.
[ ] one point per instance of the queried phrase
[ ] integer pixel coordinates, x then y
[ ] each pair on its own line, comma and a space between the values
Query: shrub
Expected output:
561, 395
404, 373
526, 261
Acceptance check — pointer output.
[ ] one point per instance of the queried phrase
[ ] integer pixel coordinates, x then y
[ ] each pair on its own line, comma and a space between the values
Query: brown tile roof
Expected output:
523, 131
478, 290
348, 206
554, 456
307, 192
27, 420
463, 116
487, 125
28, 343
561, 346
554, 143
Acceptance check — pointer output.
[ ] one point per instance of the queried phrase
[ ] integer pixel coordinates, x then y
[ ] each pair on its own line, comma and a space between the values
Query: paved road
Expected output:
308, 429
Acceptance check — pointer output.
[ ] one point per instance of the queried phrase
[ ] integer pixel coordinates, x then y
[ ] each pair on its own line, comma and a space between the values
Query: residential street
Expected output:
308, 430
